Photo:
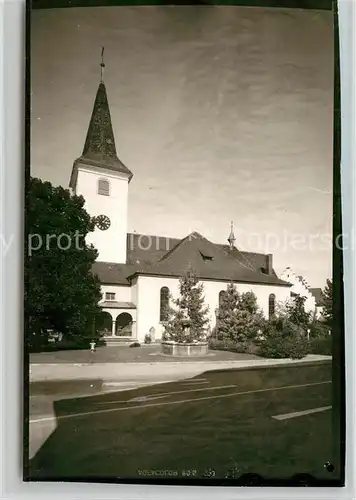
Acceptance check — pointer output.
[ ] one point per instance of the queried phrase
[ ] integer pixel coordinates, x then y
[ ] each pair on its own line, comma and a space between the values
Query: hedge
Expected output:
321, 345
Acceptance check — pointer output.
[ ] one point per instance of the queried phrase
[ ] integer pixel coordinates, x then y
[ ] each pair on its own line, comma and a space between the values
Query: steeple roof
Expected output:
99, 148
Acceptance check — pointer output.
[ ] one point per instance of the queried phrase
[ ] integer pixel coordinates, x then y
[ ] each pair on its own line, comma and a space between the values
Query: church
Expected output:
138, 273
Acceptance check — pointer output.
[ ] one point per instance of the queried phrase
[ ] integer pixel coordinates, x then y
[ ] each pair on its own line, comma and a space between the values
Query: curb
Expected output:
254, 362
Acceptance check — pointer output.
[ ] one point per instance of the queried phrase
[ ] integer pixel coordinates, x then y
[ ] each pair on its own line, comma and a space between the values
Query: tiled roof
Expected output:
113, 274
148, 249
113, 304
99, 149
318, 294
151, 255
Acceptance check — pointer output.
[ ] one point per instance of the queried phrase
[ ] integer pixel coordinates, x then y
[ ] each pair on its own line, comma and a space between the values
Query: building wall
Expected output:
111, 243
300, 288
148, 299
122, 293
318, 312
134, 290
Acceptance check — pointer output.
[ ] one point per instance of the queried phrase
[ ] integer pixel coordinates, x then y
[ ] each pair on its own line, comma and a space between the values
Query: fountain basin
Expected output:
193, 349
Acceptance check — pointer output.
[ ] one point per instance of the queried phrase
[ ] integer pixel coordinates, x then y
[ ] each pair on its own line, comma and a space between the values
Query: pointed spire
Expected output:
100, 136
99, 148
231, 239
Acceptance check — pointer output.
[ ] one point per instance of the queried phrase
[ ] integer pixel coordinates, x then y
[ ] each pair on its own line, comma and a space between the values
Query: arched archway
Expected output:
123, 327
104, 323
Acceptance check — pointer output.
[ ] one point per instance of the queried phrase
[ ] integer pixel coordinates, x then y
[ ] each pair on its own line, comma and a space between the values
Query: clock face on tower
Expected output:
102, 222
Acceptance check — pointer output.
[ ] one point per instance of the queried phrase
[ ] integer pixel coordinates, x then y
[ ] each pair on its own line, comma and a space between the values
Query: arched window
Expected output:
271, 305
103, 187
164, 303
221, 296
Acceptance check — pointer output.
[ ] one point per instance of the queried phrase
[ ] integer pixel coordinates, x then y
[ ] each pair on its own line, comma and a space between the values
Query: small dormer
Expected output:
206, 255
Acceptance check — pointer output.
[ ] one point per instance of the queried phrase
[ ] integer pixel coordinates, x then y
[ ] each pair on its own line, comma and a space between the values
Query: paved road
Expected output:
136, 428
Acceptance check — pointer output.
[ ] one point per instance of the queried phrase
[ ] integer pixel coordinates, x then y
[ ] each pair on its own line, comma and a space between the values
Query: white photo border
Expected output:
12, 147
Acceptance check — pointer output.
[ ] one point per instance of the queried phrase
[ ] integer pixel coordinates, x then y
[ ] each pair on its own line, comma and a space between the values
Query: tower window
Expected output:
104, 187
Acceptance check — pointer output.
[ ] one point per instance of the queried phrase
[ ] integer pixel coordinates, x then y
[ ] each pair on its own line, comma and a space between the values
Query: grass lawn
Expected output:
179, 430
126, 354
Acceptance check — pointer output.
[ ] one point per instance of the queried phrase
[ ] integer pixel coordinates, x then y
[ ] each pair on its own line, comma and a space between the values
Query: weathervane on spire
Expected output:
102, 65
231, 239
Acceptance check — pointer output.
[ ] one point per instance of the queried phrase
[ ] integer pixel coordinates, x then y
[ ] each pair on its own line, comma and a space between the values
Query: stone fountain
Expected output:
185, 349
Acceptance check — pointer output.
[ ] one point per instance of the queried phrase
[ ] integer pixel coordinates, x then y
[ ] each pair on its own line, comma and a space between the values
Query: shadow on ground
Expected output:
216, 427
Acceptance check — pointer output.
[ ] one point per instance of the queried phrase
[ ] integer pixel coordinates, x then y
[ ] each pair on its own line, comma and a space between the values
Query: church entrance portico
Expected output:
104, 323
123, 325
118, 322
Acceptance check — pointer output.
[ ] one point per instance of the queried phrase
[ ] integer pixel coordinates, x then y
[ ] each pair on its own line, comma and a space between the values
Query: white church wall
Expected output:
148, 299
319, 312
148, 303
111, 243
300, 288
262, 292
134, 290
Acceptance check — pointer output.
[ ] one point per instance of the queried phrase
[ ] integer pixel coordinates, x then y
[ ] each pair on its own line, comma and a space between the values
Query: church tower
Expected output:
103, 180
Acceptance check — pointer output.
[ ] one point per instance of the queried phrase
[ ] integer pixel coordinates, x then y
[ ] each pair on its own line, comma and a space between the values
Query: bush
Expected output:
297, 348
285, 335
319, 329
321, 345
222, 345
232, 346
279, 346
66, 344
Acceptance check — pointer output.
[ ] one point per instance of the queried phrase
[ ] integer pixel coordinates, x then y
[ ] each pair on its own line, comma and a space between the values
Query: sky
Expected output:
222, 114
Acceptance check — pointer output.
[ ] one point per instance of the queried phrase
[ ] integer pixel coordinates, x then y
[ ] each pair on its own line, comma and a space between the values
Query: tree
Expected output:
328, 302
226, 321
248, 302
297, 314
61, 293
189, 305
239, 318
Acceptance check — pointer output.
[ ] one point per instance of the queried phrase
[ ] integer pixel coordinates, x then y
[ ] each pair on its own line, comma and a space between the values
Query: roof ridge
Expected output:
132, 233
169, 253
